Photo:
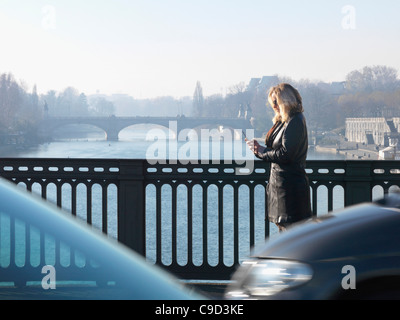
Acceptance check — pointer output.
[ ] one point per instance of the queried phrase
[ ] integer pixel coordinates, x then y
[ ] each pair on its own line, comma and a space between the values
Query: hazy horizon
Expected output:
153, 48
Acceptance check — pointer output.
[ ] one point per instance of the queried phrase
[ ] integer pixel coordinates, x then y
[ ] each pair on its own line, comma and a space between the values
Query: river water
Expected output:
138, 144
145, 143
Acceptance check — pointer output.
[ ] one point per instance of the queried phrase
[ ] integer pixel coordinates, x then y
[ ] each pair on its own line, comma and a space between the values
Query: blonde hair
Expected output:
288, 99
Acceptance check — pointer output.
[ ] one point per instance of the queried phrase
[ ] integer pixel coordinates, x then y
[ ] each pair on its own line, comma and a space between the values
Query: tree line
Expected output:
370, 92
373, 91
19, 110
22, 110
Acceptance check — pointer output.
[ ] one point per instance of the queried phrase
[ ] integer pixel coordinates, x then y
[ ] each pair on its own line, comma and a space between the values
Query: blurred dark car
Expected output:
353, 253
47, 254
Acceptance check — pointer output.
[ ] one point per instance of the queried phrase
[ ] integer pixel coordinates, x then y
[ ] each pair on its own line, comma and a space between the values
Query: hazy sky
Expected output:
149, 48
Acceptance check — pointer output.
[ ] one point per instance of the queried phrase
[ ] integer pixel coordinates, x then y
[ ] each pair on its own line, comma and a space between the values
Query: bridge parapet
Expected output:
163, 210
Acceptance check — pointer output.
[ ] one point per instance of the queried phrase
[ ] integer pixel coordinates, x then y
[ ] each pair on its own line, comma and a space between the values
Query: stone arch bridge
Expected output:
113, 125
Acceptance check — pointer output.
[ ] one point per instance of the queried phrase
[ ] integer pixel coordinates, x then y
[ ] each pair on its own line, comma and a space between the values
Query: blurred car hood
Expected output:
141, 280
356, 232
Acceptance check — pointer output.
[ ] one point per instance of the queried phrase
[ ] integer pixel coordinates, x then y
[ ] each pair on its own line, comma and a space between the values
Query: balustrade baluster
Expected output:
174, 224
190, 224
158, 225
205, 228
104, 209
236, 224
220, 224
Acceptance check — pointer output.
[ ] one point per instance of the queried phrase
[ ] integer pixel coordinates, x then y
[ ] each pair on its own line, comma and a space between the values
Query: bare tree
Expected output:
10, 100
375, 78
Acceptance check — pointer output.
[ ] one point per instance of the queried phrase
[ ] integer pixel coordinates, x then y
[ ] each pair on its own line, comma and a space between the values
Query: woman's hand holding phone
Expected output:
254, 146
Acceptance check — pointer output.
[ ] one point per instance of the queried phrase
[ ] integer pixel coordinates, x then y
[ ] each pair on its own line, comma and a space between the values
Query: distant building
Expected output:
334, 88
389, 153
253, 84
263, 83
268, 82
379, 131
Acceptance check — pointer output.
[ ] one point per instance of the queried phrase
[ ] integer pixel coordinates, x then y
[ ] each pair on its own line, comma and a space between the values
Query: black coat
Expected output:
288, 190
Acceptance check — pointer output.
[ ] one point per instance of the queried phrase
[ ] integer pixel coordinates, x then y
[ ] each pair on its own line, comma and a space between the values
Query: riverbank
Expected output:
10, 150
364, 152
351, 150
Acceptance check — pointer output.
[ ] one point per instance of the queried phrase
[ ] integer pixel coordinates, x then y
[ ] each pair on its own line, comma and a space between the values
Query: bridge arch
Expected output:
76, 131
145, 131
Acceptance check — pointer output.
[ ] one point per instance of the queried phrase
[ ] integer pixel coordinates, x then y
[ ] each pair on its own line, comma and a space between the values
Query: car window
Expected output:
27, 255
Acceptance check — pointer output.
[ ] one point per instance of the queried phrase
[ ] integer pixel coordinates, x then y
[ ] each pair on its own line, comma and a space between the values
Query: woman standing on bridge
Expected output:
288, 191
